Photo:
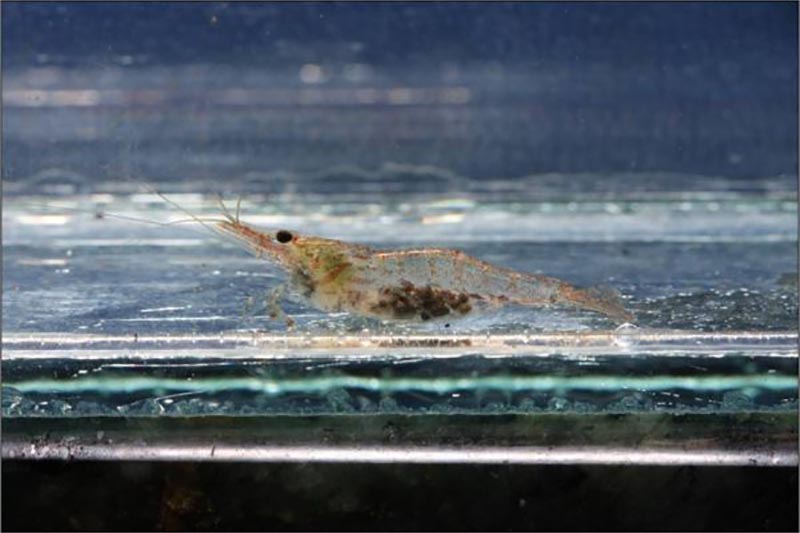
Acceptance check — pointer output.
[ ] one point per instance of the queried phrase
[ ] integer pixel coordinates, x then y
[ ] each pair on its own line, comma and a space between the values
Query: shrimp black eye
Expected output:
283, 236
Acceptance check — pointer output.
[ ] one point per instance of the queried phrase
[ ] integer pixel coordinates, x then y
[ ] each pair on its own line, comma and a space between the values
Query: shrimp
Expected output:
409, 284
413, 284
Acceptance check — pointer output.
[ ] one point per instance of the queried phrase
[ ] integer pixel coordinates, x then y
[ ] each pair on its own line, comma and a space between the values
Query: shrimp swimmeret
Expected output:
413, 284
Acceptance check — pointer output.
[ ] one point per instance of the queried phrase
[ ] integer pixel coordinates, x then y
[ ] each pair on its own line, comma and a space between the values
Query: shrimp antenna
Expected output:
185, 220
106, 214
238, 208
99, 213
226, 212
174, 204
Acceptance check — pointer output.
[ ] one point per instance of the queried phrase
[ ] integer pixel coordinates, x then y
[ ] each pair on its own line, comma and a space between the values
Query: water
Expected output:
115, 318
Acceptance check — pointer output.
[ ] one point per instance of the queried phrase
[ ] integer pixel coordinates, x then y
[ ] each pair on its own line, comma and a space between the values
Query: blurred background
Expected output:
430, 96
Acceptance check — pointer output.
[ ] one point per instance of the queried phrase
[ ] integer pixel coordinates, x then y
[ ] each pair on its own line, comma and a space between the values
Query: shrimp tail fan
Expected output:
602, 299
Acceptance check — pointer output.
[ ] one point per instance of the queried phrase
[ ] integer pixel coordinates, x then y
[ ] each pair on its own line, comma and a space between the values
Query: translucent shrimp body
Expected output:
414, 284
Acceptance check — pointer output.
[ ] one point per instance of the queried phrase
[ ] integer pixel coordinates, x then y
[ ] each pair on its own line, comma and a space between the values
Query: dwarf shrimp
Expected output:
405, 284
411, 284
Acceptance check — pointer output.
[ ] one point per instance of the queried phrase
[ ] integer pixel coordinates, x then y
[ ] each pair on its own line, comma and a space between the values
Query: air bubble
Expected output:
625, 335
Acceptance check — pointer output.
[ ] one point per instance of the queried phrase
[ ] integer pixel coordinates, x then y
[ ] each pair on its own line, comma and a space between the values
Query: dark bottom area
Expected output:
191, 496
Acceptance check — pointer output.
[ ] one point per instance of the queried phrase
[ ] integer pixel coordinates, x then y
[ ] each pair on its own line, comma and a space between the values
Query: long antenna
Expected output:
161, 195
107, 214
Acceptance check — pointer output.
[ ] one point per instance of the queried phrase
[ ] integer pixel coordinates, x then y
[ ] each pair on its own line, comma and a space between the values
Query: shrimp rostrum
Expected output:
413, 284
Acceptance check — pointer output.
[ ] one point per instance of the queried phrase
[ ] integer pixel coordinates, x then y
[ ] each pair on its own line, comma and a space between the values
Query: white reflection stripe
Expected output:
782, 342
16, 449
394, 96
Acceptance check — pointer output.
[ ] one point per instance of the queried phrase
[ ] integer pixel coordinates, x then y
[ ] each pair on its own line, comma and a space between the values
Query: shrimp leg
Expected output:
274, 306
